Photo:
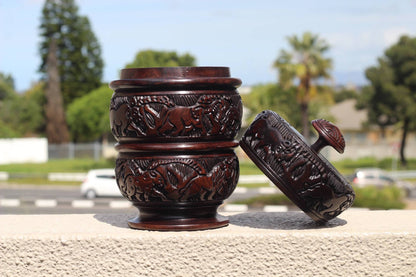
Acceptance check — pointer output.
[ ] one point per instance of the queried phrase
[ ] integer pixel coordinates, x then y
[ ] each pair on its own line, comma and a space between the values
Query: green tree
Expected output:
153, 58
274, 97
391, 96
20, 114
379, 98
23, 114
6, 86
31, 112
79, 53
304, 64
7, 94
88, 116
7, 131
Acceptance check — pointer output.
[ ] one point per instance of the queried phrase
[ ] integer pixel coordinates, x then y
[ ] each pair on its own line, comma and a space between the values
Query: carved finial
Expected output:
329, 134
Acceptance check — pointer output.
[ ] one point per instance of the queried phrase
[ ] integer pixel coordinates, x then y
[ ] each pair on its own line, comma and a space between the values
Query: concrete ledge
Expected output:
359, 243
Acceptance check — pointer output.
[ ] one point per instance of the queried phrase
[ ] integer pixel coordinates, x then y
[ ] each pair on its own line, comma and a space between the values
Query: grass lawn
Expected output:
247, 167
38, 182
75, 165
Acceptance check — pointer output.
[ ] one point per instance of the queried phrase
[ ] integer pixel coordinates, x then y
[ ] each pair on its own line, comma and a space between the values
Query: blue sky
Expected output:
244, 35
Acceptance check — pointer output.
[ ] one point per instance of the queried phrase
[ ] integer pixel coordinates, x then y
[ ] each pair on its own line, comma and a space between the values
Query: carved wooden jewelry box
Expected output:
175, 128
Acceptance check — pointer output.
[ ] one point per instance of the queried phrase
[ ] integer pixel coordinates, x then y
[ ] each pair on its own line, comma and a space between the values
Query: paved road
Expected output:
21, 199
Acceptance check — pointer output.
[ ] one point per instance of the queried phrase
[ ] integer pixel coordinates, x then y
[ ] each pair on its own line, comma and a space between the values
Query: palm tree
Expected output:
303, 65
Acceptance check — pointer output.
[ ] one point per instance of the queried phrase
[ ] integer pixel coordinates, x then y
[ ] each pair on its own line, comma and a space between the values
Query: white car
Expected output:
379, 178
372, 176
100, 182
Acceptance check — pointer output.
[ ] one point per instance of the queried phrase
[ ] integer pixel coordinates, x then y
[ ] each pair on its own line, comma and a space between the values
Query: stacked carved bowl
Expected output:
175, 128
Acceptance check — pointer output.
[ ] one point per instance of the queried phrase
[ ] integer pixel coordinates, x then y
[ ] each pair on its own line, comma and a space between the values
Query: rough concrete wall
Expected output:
255, 244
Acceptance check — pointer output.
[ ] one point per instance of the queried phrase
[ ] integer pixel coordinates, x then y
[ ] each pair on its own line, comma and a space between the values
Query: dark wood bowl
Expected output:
177, 191
175, 104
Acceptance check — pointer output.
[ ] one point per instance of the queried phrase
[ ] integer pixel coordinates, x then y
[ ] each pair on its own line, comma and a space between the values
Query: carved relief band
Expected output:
206, 115
297, 168
175, 129
165, 184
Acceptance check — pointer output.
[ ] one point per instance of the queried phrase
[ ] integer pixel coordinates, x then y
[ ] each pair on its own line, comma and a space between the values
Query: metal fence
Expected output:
75, 150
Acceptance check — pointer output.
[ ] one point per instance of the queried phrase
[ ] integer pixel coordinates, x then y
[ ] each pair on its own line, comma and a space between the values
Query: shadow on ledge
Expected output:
259, 220
117, 220
281, 221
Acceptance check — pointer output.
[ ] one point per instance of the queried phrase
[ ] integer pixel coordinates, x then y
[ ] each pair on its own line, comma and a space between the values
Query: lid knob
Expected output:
329, 134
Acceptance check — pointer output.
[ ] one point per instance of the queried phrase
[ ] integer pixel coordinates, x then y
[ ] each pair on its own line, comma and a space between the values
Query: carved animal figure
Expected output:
124, 115
215, 112
125, 180
265, 136
181, 120
233, 117
206, 186
137, 115
144, 184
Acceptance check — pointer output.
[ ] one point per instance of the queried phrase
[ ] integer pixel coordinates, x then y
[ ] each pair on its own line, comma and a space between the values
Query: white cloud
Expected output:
354, 41
392, 35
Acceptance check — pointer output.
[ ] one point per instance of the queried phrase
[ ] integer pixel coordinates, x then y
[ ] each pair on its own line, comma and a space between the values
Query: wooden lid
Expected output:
175, 77
296, 168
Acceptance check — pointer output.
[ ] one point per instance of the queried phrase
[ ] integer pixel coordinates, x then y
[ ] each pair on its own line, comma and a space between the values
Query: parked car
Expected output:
371, 176
99, 183
379, 178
